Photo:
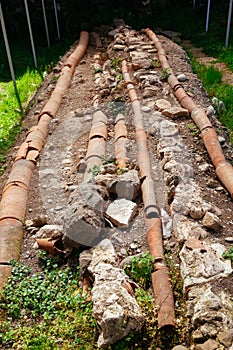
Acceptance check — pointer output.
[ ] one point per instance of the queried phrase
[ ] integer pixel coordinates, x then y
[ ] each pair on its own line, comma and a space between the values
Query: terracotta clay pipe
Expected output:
120, 131
14, 200
224, 169
96, 149
160, 278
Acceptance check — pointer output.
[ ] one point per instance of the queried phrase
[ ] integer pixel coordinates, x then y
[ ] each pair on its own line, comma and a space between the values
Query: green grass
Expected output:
212, 81
46, 310
28, 79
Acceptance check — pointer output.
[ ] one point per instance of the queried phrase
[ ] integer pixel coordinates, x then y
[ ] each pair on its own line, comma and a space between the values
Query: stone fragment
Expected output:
184, 228
104, 180
202, 266
104, 252
175, 112
126, 185
114, 307
119, 47
210, 344
193, 243
211, 221
181, 78
210, 111
121, 211
198, 336
150, 92
141, 59
221, 140
162, 104
49, 231
226, 338
146, 109
166, 224
180, 347
83, 218
204, 167
229, 239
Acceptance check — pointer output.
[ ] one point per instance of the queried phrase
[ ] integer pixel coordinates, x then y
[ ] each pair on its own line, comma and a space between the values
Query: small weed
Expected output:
228, 254
156, 63
116, 108
165, 74
121, 171
141, 268
193, 128
94, 170
46, 310
116, 63
98, 70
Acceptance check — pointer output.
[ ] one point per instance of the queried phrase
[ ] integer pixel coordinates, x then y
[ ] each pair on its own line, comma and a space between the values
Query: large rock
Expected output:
115, 309
83, 217
200, 265
126, 185
184, 228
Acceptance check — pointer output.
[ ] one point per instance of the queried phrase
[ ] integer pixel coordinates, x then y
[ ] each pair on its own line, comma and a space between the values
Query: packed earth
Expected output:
195, 207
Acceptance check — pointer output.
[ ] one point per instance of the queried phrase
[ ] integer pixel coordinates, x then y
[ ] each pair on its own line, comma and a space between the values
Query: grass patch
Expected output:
46, 310
211, 79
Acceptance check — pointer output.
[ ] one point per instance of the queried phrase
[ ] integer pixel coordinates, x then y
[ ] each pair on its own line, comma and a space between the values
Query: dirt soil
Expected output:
79, 98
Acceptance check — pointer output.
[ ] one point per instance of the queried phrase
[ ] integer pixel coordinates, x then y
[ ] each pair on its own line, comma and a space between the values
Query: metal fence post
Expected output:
30, 32
9, 58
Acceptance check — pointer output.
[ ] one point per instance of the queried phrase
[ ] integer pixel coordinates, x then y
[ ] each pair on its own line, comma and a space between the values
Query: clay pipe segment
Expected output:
52, 106
15, 194
199, 116
120, 132
96, 149
160, 278
160, 281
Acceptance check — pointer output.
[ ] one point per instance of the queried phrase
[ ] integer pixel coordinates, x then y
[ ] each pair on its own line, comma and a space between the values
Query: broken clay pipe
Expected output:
224, 169
15, 193
160, 279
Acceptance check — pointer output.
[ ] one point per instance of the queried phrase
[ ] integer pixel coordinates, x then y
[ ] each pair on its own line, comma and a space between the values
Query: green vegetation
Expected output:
228, 254
46, 310
28, 80
140, 269
212, 81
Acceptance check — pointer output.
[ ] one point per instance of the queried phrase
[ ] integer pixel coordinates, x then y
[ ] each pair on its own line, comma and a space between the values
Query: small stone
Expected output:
119, 47
193, 243
211, 183
204, 167
28, 223
150, 92
226, 338
133, 246
35, 246
210, 111
198, 336
182, 78
211, 221
146, 109
175, 112
121, 211
221, 140
162, 104
40, 220
210, 344
229, 239
179, 347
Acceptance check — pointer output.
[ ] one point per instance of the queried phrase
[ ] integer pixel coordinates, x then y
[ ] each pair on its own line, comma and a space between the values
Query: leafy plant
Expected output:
116, 62
165, 74
140, 269
46, 309
228, 254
